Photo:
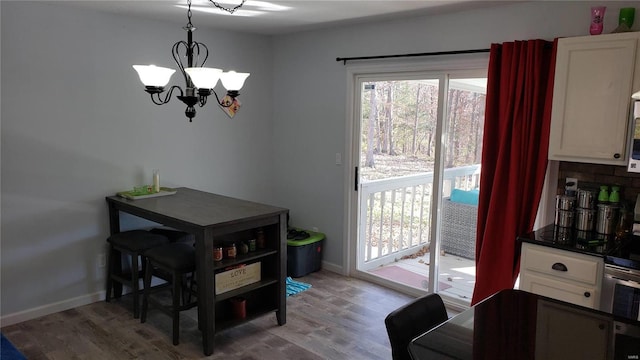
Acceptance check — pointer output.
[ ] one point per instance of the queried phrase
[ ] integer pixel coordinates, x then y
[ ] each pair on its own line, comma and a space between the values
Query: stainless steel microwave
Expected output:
634, 153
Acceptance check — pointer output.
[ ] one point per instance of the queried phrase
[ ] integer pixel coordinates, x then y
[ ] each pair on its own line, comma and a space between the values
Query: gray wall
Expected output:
313, 122
77, 126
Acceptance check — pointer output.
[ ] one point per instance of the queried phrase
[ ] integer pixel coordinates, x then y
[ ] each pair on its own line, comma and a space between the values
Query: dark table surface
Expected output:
514, 324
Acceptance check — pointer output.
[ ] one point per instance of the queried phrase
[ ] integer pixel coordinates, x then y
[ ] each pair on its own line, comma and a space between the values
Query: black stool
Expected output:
133, 243
175, 235
175, 260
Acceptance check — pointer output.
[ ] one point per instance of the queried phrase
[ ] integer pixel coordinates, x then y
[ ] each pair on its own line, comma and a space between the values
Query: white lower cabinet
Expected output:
559, 274
559, 325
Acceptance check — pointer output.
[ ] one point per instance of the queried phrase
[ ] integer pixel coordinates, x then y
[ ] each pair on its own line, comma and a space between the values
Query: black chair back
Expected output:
413, 319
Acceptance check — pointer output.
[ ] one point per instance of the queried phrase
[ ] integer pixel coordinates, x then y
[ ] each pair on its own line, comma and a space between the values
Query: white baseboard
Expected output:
333, 268
48, 309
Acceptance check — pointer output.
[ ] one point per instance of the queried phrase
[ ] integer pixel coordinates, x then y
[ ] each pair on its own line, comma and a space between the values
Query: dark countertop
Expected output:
515, 324
569, 239
623, 253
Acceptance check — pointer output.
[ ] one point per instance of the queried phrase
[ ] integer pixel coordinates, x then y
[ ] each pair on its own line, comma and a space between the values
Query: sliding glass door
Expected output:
417, 142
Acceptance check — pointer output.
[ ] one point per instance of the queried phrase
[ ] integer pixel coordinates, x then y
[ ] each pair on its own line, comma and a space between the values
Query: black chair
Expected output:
171, 262
413, 319
132, 243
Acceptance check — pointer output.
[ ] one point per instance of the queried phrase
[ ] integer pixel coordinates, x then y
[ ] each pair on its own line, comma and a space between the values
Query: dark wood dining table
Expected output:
515, 324
208, 216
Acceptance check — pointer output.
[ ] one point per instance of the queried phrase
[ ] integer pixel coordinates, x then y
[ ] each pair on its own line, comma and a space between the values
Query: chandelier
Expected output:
199, 80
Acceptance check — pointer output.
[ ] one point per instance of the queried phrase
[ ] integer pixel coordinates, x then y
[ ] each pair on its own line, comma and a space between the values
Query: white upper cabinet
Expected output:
594, 79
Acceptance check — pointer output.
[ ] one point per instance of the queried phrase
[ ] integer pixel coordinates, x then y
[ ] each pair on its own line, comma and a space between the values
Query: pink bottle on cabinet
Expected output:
597, 20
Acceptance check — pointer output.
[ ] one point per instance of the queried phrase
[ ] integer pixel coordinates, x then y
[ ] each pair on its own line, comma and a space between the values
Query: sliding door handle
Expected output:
355, 181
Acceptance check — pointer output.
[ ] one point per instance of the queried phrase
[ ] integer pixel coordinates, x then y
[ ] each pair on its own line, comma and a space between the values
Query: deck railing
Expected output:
395, 213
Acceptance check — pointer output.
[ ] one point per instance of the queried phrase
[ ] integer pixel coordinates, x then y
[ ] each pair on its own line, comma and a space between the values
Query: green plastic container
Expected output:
305, 256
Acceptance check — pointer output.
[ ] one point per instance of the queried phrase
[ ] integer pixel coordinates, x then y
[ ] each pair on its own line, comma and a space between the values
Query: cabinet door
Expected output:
566, 333
593, 84
560, 290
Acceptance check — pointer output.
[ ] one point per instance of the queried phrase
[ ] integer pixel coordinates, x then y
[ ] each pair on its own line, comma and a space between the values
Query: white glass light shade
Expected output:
152, 75
233, 81
204, 78
636, 96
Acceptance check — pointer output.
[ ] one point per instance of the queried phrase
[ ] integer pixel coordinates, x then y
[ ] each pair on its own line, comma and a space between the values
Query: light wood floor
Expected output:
338, 318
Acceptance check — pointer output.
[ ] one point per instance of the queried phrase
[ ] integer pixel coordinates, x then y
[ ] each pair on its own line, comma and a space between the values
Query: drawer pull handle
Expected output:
587, 294
559, 267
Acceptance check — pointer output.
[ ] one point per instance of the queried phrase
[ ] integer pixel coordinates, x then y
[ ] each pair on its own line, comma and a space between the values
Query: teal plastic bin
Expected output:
305, 256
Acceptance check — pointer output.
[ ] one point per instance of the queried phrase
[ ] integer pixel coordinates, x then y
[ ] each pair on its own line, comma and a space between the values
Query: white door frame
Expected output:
424, 67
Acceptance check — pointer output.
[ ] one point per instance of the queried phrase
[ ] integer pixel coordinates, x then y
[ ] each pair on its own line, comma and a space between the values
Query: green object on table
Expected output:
140, 192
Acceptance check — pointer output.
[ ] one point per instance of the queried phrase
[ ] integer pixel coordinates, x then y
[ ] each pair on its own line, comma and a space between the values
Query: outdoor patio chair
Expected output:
459, 223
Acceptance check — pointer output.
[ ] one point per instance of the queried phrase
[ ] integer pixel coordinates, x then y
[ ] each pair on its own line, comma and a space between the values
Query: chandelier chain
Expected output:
189, 24
229, 10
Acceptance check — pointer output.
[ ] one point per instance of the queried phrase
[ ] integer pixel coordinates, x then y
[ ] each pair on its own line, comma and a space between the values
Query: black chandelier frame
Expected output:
190, 49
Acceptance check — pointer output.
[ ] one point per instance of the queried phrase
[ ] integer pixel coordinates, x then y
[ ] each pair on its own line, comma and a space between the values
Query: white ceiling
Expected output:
279, 17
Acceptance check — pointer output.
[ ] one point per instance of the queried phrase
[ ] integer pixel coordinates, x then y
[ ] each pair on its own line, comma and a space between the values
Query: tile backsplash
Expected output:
595, 175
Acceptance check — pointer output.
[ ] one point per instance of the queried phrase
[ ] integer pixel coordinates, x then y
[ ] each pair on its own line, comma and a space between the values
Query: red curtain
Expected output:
514, 157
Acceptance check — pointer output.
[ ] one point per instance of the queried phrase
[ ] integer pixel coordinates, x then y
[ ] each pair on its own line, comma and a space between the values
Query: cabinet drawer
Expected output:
560, 290
561, 264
